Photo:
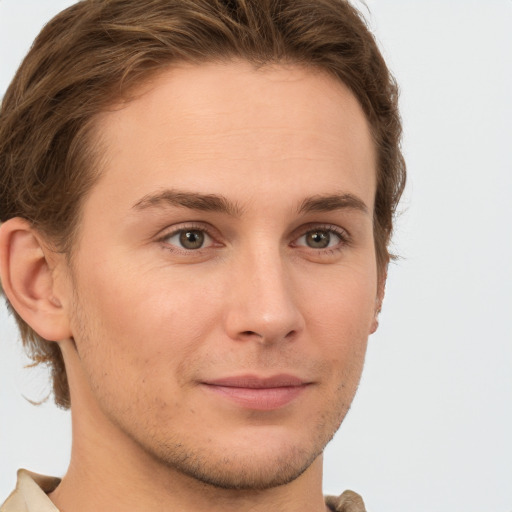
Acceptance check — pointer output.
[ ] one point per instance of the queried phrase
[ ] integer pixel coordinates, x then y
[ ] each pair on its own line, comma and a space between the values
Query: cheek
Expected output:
339, 319
151, 322
342, 303
132, 299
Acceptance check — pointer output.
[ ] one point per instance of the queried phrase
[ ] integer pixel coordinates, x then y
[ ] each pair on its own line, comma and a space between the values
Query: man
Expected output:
196, 202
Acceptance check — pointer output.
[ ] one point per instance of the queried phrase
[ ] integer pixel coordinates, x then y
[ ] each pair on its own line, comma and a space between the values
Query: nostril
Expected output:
250, 333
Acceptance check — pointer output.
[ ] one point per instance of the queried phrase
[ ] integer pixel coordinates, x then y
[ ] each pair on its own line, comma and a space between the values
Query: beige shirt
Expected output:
31, 492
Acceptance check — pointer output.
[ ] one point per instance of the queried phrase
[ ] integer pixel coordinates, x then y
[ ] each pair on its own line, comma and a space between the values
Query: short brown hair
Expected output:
97, 51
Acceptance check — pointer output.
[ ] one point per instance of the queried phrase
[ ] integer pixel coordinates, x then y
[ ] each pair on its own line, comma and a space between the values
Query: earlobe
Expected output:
381, 289
28, 281
375, 321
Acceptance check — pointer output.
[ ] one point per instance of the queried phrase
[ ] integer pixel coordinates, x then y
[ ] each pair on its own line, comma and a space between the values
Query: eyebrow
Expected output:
327, 203
191, 200
219, 203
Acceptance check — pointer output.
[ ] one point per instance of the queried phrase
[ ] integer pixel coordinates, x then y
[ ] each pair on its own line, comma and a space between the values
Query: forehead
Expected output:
217, 126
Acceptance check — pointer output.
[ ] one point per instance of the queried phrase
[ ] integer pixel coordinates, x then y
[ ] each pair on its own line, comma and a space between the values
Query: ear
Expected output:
381, 290
27, 268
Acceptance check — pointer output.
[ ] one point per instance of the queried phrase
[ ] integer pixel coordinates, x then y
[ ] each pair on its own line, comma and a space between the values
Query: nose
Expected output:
262, 305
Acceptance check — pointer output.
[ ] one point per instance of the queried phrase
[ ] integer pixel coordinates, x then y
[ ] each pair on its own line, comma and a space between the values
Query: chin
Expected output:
256, 472
262, 459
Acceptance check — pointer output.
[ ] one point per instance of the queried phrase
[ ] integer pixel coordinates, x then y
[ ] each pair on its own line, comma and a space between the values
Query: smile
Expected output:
262, 394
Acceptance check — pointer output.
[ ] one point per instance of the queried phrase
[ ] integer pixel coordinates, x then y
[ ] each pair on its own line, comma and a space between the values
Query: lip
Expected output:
258, 393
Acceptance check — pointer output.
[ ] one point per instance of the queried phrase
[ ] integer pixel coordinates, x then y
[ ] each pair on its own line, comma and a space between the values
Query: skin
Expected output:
146, 324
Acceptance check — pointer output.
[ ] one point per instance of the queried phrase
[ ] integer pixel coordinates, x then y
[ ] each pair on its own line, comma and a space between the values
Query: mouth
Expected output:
258, 393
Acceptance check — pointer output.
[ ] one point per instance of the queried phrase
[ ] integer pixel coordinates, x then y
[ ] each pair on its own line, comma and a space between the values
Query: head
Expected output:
99, 59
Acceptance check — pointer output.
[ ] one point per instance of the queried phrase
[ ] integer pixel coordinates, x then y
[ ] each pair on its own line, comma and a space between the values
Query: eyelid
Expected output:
208, 229
190, 226
342, 233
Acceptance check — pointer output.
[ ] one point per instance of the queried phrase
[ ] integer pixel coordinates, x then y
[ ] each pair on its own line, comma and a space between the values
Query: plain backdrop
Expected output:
431, 427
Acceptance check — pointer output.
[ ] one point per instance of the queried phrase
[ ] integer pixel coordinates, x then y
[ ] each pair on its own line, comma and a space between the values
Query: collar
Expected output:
31, 493
349, 501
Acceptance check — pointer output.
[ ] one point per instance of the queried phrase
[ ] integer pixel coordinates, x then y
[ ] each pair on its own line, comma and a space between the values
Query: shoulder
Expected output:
349, 501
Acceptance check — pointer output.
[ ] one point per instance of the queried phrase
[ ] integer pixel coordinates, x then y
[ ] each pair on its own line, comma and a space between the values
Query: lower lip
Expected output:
259, 399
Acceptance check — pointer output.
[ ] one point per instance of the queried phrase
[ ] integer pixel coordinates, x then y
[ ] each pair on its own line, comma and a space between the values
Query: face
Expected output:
224, 283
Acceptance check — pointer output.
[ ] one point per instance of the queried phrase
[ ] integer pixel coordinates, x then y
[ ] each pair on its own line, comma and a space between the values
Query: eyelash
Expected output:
343, 235
188, 227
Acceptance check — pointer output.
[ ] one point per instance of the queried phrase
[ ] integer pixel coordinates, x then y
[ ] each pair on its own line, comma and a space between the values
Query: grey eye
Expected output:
189, 239
318, 239
192, 239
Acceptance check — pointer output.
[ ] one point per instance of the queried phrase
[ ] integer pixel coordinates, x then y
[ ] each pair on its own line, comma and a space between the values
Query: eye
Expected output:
189, 239
320, 239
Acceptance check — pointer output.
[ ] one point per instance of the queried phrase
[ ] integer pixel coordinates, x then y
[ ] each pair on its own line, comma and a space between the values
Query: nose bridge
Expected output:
262, 304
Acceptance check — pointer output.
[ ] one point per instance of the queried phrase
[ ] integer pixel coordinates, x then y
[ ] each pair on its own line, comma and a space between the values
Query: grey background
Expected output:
430, 429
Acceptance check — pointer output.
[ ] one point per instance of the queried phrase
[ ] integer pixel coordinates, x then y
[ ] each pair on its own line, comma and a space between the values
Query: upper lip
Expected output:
255, 382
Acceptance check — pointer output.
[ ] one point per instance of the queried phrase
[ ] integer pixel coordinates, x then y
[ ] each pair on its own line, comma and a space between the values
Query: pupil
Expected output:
319, 239
192, 239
